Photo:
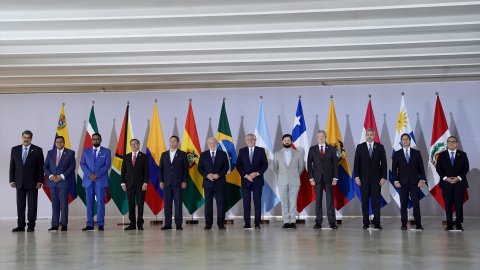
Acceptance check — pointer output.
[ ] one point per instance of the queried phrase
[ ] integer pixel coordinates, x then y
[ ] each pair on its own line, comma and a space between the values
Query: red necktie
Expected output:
134, 159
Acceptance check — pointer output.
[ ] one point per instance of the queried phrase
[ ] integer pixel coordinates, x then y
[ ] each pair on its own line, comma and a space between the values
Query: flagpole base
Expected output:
444, 223
264, 221
123, 224
300, 221
339, 221
411, 222
156, 222
192, 221
228, 221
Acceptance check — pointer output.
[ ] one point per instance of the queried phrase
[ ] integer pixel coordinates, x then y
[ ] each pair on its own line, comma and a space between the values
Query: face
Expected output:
370, 136
250, 141
27, 139
405, 142
173, 143
452, 144
321, 138
287, 142
96, 140
134, 145
212, 144
59, 143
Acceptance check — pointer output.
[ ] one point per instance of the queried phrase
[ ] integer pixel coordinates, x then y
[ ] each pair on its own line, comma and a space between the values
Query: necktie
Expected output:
407, 156
321, 151
94, 155
213, 157
370, 150
251, 155
59, 155
452, 158
24, 157
134, 159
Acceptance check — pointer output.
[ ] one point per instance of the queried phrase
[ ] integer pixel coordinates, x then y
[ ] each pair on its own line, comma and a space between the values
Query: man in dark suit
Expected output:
322, 165
173, 176
26, 175
59, 165
452, 167
408, 176
96, 161
134, 180
251, 165
213, 165
370, 169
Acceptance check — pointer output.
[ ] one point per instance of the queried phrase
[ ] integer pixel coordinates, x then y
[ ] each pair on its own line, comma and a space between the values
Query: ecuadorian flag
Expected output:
233, 191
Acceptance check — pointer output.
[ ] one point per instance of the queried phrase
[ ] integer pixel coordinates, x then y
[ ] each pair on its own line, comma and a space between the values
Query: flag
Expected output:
87, 143
62, 130
370, 123
155, 148
343, 191
123, 148
233, 190
270, 198
440, 134
193, 197
403, 126
306, 194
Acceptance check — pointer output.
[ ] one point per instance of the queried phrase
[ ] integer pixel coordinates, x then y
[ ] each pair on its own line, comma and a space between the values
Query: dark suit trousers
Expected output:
220, 198
132, 194
370, 190
328, 202
22, 196
59, 201
412, 191
257, 202
453, 196
173, 194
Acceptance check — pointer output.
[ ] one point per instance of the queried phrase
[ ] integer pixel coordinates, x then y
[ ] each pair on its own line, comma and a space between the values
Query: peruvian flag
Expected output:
440, 134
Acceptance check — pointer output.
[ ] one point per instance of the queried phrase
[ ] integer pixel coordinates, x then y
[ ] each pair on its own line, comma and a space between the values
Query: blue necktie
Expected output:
213, 157
251, 155
25, 155
407, 156
452, 158
370, 149
94, 155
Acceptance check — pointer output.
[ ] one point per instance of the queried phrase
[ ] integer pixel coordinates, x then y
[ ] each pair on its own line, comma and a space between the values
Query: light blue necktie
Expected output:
407, 156
25, 153
370, 149
452, 158
251, 155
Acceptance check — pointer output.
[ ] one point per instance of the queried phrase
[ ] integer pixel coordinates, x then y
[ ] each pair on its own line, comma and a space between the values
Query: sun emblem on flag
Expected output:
437, 149
268, 154
62, 122
402, 121
191, 157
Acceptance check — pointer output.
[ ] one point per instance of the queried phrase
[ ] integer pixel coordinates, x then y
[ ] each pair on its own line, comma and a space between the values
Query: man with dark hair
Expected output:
288, 165
26, 176
59, 165
173, 176
95, 163
452, 167
134, 180
408, 176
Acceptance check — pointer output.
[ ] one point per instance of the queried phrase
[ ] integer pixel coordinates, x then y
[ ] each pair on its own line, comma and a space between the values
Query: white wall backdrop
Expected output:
39, 113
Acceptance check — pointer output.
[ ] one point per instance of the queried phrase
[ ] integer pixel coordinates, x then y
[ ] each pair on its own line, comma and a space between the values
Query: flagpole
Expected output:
123, 216
263, 220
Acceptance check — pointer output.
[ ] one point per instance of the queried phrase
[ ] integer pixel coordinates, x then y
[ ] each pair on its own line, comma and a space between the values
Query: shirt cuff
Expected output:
444, 178
336, 179
123, 184
459, 178
145, 184
50, 176
63, 176
396, 181
12, 183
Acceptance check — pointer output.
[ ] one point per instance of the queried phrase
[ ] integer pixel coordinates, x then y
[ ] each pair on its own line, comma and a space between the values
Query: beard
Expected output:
96, 145
287, 145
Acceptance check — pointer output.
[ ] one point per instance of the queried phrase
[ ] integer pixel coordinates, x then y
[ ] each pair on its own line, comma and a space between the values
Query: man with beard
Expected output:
288, 165
96, 162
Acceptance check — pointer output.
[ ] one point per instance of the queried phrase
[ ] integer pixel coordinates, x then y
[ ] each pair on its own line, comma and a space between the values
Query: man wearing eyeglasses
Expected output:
452, 167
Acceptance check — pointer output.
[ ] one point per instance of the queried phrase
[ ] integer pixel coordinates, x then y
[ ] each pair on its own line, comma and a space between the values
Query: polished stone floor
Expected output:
350, 247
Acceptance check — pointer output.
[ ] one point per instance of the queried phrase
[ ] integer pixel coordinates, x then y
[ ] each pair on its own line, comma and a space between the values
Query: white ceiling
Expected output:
125, 45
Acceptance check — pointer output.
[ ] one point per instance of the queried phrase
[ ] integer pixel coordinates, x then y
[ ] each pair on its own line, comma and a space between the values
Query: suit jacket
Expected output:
66, 166
100, 167
288, 175
173, 173
221, 167
135, 176
370, 168
329, 164
30, 174
408, 173
460, 168
259, 164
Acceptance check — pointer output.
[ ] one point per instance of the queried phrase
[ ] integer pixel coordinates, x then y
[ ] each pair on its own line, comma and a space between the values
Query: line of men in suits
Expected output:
27, 169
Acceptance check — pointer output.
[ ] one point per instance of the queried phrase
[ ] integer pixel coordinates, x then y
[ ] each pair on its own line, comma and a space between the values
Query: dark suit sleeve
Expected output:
201, 166
383, 164
185, 167
421, 169
40, 163
46, 165
239, 166
264, 161
161, 168
356, 162
335, 164
71, 165
225, 166
310, 164
146, 169
124, 171
439, 166
12, 167
395, 167
465, 169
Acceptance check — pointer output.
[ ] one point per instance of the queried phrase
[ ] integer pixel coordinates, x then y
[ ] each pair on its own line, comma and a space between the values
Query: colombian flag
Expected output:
193, 197
343, 191
63, 131
155, 148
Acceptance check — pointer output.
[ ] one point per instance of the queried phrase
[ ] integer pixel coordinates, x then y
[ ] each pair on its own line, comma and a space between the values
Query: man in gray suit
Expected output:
288, 165
322, 165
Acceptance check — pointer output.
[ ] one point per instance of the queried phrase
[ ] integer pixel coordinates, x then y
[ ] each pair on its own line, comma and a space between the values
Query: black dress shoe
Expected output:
293, 225
30, 229
419, 227
53, 228
18, 229
247, 226
334, 227
365, 227
88, 228
140, 228
286, 226
179, 228
130, 228
448, 228
164, 228
101, 228
257, 227
207, 228
379, 227
459, 227
403, 228
222, 228
64, 228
